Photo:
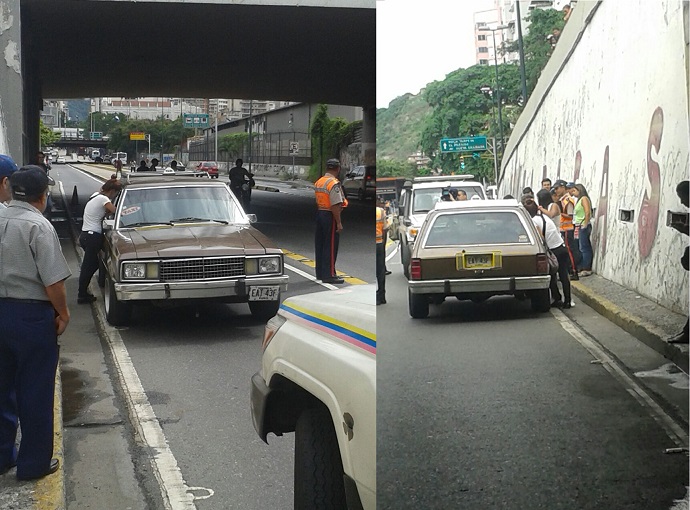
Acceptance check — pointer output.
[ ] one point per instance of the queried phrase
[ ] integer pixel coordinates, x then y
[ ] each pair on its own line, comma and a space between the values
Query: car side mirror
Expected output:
407, 222
252, 218
108, 224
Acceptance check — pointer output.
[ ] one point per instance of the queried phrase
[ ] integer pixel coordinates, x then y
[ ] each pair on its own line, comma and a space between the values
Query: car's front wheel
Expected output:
540, 300
118, 313
419, 305
264, 310
318, 466
405, 259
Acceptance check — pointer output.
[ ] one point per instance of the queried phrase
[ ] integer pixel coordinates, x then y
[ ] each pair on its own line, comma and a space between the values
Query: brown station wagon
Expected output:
475, 250
174, 239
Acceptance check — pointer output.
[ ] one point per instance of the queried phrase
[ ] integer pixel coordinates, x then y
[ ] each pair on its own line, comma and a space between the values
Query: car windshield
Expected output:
426, 198
163, 206
472, 228
209, 165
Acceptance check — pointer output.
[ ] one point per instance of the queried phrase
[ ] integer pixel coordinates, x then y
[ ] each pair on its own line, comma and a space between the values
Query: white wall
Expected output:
611, 111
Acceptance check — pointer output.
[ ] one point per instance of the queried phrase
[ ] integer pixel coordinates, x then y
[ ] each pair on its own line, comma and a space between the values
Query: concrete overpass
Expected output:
300, 50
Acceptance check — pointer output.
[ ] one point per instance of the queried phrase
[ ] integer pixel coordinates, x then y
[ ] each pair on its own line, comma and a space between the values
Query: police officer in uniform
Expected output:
33, 313
330, 203
381, 228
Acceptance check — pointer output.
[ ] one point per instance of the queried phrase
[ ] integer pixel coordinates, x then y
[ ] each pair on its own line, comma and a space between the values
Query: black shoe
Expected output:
380, 302
680, 338
333, 280
574, 277
557, 304
85, 300
388, 272
6, 469
54, 465
566, 306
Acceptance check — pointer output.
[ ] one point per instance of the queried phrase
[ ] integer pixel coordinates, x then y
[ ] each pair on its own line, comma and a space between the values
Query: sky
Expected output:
420, 41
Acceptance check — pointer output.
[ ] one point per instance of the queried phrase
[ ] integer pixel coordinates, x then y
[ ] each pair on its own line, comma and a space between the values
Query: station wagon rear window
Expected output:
477, 228
426, 198
153, 206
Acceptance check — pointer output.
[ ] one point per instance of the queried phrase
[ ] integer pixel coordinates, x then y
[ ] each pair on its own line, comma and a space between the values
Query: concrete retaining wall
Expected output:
611, 111
11, 126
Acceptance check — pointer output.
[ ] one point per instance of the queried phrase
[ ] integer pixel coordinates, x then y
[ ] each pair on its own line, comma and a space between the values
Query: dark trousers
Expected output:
563, 257
573, 249
380, 272
28, 361
91, 243
326, 245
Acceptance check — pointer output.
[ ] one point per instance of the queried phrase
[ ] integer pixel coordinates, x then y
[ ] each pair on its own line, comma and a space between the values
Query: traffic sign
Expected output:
96, 135
294, 148
463, 144
195, 120
137, 135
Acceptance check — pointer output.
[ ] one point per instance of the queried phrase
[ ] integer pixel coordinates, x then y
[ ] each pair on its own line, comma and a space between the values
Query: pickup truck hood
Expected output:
193, 240
354, 306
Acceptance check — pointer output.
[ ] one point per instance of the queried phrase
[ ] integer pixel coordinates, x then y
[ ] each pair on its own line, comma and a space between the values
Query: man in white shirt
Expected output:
91, 238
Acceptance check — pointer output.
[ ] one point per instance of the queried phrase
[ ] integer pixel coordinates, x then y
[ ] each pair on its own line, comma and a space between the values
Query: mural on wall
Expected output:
649, 210
601, 219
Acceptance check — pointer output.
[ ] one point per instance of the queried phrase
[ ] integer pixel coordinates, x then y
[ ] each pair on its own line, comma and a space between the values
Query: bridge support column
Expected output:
369, 135
12, 135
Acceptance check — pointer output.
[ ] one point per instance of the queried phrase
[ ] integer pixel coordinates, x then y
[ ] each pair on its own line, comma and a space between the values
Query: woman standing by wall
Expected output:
583, 226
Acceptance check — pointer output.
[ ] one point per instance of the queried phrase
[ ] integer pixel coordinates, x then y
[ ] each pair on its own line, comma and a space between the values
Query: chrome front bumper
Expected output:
498, 285
238, 288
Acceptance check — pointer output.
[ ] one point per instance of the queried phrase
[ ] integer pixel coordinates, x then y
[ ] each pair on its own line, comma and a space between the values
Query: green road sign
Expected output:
96, 135
195, 120
463, 144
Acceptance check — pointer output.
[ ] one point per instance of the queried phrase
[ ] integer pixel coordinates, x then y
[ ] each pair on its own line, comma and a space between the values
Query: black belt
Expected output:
28, 301
91, 232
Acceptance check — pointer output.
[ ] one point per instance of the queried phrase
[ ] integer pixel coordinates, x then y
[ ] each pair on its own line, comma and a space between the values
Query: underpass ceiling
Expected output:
136, 49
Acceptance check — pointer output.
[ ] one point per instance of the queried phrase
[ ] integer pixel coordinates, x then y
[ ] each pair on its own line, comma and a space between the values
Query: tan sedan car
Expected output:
475, 250
181, 240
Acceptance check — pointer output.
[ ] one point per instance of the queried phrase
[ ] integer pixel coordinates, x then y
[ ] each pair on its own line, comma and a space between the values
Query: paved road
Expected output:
195, 366
493, 406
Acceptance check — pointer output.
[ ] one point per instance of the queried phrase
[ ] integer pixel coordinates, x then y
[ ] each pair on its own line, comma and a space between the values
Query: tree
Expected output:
328, 138
391, 168
48, 137
233, 145
542, 23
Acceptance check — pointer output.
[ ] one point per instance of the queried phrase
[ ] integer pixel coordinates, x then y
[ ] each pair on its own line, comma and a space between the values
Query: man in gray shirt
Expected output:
33, 313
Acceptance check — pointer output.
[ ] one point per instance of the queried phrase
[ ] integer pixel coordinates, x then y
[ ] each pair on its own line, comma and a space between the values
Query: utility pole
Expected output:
521, 50
251, 101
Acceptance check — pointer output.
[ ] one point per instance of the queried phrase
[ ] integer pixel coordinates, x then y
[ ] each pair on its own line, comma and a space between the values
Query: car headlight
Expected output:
272, 327
140, 271
262, 265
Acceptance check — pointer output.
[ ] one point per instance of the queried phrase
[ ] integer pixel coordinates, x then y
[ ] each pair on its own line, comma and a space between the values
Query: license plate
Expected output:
268, 293
478, 260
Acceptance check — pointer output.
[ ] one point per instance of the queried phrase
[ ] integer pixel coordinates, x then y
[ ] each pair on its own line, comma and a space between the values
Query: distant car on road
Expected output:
60, 160
361, 181
107, 158
180, 239
476, 249
318, 380
211, 167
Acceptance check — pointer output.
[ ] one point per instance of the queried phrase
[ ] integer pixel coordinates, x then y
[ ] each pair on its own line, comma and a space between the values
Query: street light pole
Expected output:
498, 86
521, 51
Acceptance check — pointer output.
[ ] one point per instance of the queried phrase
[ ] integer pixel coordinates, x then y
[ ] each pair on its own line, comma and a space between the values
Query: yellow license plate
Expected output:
478, 260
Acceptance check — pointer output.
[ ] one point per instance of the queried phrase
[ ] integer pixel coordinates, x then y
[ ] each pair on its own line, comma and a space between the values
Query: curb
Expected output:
647, 333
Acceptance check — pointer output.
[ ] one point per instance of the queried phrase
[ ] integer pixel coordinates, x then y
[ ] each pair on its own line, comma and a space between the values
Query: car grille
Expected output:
201, 269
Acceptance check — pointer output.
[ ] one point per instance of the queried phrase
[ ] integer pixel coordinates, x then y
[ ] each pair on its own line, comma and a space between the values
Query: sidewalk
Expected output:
646, 320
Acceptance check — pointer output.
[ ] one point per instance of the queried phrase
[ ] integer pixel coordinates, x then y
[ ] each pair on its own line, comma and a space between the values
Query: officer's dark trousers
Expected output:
326, 245
380, 272
28, 361
91, 242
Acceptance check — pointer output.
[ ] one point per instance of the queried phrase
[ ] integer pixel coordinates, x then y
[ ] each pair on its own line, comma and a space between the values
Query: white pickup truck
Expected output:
318, 379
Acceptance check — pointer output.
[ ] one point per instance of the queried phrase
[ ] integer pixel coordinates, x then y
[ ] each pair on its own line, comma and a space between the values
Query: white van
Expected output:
122, 156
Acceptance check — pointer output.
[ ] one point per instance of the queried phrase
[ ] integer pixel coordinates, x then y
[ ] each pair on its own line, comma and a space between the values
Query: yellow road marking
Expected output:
49, 493
309, 262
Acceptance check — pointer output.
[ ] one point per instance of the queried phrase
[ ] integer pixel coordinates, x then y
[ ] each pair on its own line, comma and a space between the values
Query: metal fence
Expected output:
270, 148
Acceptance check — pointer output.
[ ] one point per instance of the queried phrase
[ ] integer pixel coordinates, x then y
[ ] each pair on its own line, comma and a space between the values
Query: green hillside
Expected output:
399, 127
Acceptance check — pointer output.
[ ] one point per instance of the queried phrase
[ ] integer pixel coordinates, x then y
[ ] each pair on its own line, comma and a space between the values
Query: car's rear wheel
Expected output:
540, 300
405, 259
101, 274
419, 305
118, 313
318, 466
264, 310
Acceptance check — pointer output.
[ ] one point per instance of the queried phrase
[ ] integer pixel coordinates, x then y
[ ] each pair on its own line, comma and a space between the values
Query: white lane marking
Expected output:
677, 434
174, 490
392, 254
309, 277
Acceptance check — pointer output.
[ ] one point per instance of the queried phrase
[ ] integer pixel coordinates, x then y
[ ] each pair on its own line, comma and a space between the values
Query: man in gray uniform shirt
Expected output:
33, 313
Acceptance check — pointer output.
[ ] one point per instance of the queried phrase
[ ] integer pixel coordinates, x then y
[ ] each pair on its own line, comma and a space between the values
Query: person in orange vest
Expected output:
330, 202
381, 228
566, 227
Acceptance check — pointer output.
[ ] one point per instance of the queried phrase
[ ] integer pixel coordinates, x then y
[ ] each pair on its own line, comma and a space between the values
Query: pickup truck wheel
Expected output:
264, 310
540, 300
405, 259
118, 313
318, 466
419, 305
